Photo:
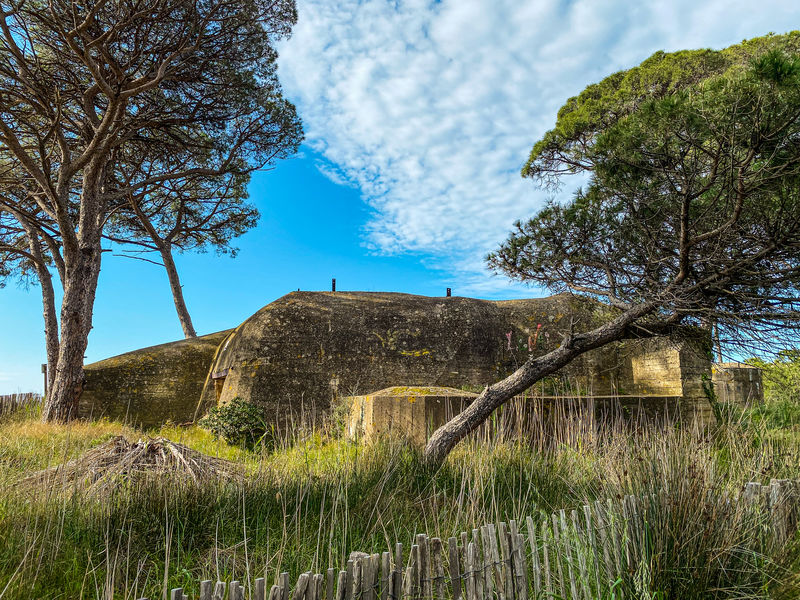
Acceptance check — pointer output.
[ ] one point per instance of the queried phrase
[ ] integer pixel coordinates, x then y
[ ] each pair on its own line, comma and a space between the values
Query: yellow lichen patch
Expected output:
416, 353
418, 391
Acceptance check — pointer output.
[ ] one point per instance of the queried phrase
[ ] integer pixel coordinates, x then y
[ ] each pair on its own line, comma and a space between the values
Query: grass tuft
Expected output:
317, 497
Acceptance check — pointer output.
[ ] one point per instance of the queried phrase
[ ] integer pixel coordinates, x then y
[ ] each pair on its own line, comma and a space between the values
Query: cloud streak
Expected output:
430, 108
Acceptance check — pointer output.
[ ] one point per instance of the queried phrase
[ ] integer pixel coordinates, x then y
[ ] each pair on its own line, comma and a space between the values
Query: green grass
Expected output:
316, 498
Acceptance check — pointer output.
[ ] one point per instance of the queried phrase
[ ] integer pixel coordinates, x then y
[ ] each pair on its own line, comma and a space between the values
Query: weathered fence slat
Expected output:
349, 579
397, 574
470, 571
520, 565
590, 530
566, 542
259, 590
557, 553
206, 587
480, 574
284, 586
341, 586
358, 578
568, 555
319, 583
233, 590
219, 589
366, 578
537, 571
614, 532
546, 561
300, 588
423, 565
330, 580
454, 567
437, 566
386, 575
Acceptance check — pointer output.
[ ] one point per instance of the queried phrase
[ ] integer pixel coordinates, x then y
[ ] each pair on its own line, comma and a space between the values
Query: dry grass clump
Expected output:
105, 467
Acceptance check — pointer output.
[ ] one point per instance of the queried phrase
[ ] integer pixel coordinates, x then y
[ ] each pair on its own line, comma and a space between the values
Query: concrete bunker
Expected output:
298, 355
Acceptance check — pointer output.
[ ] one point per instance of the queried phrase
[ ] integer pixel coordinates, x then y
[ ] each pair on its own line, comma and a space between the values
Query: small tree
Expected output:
26, 254
101, 101
193, 215
691, 215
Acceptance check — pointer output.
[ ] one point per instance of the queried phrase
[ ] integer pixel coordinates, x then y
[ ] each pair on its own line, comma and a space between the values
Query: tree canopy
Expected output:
693, 197
107, 104
691, 212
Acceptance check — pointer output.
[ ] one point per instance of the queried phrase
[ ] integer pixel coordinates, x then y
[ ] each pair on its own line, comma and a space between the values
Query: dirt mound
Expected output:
118, 460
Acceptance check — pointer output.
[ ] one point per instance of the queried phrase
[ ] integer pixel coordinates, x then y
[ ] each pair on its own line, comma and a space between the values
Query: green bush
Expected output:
240, 423
781, 407
781, 376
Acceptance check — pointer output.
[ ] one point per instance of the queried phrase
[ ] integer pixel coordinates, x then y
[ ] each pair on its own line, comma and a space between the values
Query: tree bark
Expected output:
448, 435
177, 291
165, 249
48, 304
80, 287
718, 343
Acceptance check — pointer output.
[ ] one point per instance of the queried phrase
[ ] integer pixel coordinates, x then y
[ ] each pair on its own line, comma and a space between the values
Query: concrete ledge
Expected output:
410, 411
415, 412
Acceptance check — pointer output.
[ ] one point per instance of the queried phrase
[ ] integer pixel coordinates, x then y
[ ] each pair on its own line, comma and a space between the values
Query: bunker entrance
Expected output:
219, 383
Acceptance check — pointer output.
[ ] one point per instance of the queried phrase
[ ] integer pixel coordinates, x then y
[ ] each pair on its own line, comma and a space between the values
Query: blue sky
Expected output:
418, 117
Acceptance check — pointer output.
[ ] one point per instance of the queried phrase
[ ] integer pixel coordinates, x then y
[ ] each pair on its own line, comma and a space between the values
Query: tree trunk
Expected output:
48, 305
165, 249
177, 291
80, 285
535, 368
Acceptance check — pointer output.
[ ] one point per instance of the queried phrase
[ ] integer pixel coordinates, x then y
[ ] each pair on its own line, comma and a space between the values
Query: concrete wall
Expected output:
296, 356
414, 412
738, 383
151, 386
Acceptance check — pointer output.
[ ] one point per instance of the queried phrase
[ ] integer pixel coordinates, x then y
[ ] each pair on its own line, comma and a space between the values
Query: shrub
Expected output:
781, 407
240, 423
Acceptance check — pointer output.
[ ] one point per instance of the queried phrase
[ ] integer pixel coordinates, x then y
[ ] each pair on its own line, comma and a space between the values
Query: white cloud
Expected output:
431, 108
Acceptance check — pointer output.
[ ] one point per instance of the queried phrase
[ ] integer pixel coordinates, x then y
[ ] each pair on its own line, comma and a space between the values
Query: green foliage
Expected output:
239, 423
691, 208
603, 104
781, 376
315, 499
777, 67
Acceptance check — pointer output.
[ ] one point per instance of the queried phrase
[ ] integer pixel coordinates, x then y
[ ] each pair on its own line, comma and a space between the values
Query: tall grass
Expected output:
27, 404
317, 497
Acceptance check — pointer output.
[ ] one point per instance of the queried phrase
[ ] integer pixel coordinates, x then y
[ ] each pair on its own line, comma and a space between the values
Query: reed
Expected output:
316, 497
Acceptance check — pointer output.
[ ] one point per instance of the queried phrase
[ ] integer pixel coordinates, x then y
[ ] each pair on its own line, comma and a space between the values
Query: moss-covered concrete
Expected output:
151, 386
295, 356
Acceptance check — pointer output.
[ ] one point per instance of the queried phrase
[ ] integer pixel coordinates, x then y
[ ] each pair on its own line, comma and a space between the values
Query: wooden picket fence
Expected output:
12, 403
577, 554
